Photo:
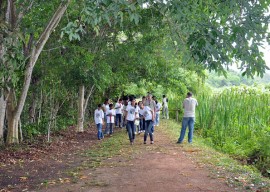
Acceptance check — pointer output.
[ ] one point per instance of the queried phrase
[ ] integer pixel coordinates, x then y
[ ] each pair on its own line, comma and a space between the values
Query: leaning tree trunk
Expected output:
35, 52
80, 109
87, 100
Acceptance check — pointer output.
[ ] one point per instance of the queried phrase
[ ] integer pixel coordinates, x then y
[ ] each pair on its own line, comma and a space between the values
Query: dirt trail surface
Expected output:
162, 166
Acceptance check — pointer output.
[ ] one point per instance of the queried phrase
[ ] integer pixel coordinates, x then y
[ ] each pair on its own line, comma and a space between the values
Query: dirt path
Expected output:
163, 166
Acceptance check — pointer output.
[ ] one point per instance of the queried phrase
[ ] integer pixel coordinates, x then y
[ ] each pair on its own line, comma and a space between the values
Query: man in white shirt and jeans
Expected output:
189, 105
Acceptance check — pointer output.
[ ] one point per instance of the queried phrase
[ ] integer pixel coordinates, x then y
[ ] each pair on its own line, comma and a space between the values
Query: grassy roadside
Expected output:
221, 165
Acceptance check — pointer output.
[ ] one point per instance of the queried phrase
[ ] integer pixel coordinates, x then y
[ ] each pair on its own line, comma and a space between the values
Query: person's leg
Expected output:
129, 129
167, 112
191, 128
144, 125
141, 123
120, 120
111, 128
146, 131
133, 128
157, 119
98, 129
152, 128
99, 133
183, 130
116, 119
150, 133
105, 123
107, 128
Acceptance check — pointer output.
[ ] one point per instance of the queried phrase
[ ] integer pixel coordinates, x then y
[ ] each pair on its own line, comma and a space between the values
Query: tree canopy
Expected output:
108, 45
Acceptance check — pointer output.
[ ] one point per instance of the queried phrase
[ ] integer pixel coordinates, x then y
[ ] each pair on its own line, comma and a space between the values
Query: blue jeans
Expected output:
187, 121
118, 120
142, 123
131, 130
99, 129
109, 128
157, 119
148, 130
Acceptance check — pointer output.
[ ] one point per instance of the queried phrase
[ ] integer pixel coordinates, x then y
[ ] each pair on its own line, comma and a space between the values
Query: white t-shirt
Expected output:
141, 111
110, 115
106, 108
118, 110
165, 103
158, 106
189, 105
131, 112
151, 104
98, 116
147, 113
137, 109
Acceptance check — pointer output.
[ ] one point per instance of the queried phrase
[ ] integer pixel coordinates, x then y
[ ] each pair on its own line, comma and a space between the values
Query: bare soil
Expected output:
28, 166
160, 167
163, 166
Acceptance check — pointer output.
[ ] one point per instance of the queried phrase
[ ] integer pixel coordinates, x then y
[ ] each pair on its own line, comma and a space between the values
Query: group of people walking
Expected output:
141, 117
137, 117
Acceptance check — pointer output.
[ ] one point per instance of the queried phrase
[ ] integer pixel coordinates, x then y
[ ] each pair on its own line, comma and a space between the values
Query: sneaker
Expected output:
178, 142
152, 142
144, 142
131, 143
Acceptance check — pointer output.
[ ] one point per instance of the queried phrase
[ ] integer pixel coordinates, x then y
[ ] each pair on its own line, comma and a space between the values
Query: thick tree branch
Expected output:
35, 52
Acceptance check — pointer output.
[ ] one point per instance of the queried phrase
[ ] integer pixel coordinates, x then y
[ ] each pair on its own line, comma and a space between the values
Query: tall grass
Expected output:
237, 121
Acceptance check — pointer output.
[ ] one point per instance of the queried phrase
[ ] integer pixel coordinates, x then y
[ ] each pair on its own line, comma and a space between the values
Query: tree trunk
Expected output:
14, 116
40, 107
80, 109
3, 105
87, 98
13, 121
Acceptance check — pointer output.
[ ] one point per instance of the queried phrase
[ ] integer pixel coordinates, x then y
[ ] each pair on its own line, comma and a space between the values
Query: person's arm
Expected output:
153, 118
135, 116
117, 106
102, 118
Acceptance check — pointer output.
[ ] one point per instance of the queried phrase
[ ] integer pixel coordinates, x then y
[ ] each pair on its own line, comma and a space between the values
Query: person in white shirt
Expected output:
152, 104
158, 107
105, 108
99, 121
110, 119
130, 114
165, 109
118, 110
137, 120
148, 115
125, 104
189, 105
